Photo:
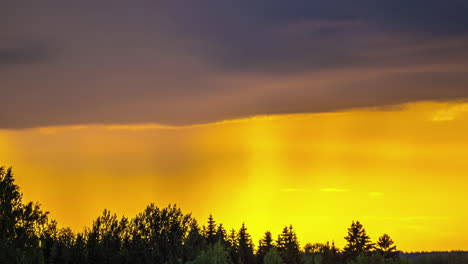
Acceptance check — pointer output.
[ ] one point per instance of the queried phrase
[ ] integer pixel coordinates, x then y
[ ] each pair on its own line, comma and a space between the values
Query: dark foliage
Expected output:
359, 242
264, 246
386, 247
168, 236
288, 246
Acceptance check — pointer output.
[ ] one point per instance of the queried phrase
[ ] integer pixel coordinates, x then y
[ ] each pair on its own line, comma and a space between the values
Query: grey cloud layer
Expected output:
186, 62
24, 53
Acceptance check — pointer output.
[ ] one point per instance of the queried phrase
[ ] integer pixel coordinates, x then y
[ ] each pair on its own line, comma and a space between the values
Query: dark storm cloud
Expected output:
267, 35
23, 54
186, 62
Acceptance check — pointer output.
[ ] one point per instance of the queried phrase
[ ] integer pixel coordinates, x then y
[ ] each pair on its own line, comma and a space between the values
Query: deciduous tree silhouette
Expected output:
162, 232
214, 254
105, 238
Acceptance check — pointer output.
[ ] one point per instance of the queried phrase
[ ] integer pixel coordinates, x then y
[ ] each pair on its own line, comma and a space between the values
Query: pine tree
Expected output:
10, 204
245, 246
386, 247
211, 231
358, 241
221, 235
233, 245
288, 246
264, 245
19, 223
194, 243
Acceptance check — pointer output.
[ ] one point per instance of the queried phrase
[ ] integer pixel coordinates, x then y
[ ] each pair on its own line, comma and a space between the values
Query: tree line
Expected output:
167, 235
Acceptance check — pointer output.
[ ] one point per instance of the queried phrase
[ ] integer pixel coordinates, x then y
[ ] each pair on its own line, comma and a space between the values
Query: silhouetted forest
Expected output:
167, 235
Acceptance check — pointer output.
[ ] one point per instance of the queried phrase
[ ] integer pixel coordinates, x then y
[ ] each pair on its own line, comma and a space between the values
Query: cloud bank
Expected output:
191, 62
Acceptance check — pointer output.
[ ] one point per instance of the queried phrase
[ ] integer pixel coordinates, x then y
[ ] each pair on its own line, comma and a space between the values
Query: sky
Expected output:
268, 112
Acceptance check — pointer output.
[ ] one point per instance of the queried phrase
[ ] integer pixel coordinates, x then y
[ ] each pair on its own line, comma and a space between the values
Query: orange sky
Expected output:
401, 171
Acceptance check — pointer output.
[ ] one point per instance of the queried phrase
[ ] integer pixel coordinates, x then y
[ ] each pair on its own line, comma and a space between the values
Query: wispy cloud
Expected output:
375, 194
56, 129
333, 190
290, 189
450, 113
416, 218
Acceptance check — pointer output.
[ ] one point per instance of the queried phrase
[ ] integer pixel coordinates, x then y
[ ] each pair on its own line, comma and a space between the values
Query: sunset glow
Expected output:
401, 170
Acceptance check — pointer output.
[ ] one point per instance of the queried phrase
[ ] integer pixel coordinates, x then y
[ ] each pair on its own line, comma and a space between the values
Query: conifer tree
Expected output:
19, 223
245, 246
211, 231
288, 246
233, 245
221, 235
386, 247
264, 245
194, 243
358, 241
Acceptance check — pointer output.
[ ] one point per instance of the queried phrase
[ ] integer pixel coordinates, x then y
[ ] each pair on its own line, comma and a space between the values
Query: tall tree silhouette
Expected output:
221, 235
288, 246
233, 245
211, 231
19, 223
195, 243
358, 241
386, 247
10, 204
245, 249
264, 245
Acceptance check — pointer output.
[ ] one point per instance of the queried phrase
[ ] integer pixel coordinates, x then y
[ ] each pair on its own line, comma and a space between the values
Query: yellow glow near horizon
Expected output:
399, 171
